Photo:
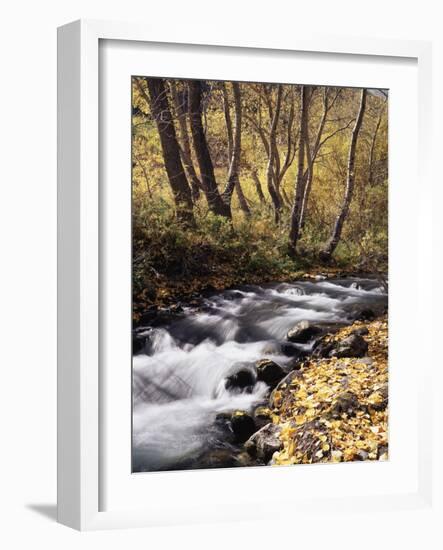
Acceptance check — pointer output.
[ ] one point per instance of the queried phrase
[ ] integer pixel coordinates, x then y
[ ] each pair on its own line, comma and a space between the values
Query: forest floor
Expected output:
336, 409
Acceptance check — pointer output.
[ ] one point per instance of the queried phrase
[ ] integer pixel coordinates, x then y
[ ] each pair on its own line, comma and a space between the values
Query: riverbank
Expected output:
167, 292
335, 409
331, 407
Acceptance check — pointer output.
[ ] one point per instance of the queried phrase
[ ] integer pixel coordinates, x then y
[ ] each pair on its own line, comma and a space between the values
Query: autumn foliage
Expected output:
222, 210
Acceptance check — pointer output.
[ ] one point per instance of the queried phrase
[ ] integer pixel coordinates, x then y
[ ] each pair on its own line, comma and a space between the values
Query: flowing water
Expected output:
179, 379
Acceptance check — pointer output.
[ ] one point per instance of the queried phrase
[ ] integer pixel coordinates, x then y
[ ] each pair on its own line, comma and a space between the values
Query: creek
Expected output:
179, 377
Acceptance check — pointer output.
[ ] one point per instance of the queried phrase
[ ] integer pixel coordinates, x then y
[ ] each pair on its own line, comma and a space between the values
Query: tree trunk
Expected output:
234, 145
311, 154
300, 180
228, 121
244, 206
180, 105
338, 226
258, 186
280, 171
309, 175
171, 152
270, 174
215, 202
372, 148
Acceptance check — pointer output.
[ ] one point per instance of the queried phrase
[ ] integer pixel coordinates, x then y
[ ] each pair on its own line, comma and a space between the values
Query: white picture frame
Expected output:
80, 412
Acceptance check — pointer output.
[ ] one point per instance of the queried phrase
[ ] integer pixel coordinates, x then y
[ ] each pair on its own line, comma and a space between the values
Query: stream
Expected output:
179, 376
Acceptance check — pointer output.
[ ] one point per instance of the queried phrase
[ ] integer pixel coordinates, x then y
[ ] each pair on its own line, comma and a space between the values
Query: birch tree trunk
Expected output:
311, 154
372, 147
300, 180
161, 113
210, 188
234, 147
281, 169
270, 175
338, 225
228, 120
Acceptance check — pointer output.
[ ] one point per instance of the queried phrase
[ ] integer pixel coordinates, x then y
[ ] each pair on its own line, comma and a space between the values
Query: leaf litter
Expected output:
336, 409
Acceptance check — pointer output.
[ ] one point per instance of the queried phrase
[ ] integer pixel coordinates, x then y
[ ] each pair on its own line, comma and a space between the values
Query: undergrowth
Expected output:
170, 260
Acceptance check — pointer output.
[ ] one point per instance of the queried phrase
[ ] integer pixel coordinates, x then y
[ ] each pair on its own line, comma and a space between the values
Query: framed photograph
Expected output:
234, 220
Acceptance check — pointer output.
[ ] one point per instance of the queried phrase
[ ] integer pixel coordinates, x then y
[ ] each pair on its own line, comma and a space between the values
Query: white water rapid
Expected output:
179, 377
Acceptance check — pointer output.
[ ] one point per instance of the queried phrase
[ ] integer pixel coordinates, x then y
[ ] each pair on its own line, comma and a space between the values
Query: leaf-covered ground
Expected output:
336, 409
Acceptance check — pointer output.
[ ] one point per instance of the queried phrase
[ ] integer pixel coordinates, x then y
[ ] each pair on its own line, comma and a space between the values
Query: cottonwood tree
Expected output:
272, 114
329, 99
350, 182
215, 201
272, 151
181, 106
234, 146
287, 136
219, 203
373, 142
294, 230
161, 113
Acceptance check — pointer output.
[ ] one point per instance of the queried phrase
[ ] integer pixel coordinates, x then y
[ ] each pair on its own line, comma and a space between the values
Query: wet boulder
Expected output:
352, 346
361, 331
306, 331
269, 372
242, 426
366, 314
141, 340
323, 348
264, 443
233, 295
155, 316
138, 343
303, 332
262, 416
291, 350
223, 421
242, 379
278, 395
